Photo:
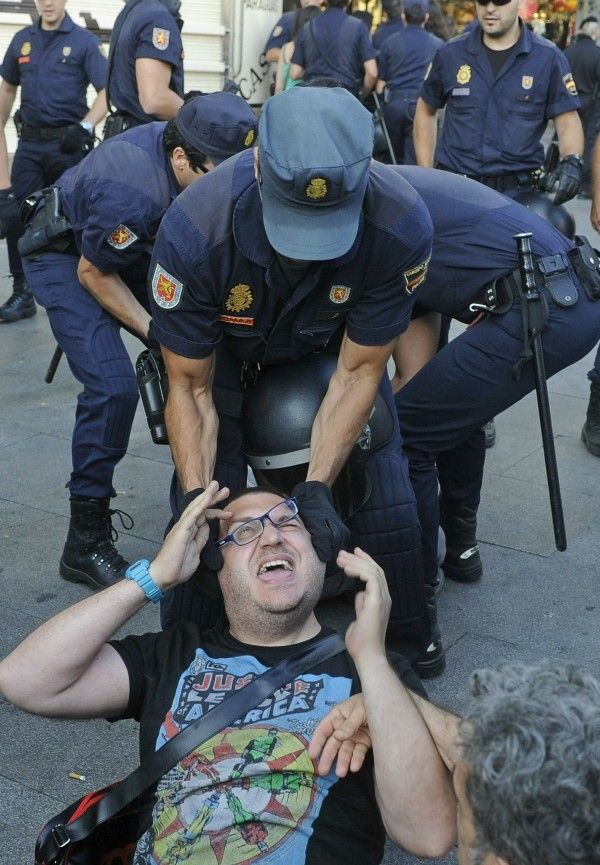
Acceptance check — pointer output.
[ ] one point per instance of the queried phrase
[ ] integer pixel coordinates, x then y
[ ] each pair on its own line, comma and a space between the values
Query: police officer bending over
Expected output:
104, 215
473, 273
306, 250
145, 77
53, 62
500, 84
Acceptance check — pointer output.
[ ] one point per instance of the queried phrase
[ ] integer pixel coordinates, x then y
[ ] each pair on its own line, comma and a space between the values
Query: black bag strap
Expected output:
148, 773
322, 54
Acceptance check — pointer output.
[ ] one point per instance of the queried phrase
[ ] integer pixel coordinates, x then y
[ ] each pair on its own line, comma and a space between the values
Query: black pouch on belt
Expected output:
586, 264
558, 280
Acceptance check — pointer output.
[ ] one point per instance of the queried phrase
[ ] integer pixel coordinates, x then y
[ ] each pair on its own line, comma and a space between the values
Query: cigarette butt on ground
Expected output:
75, 776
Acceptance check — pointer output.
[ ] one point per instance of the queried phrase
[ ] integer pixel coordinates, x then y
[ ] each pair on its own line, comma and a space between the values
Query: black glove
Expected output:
210, 556
328, 532
9, 211
76, 139
568, 176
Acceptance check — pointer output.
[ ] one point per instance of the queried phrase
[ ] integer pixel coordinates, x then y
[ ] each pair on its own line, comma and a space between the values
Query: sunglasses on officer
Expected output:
494, 2
282, 513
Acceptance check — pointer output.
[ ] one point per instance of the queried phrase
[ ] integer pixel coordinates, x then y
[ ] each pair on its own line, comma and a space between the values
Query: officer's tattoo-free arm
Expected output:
346, 407
98, 110
111, 293
425, 133
8, 93
570, 133
191, 418
156, 97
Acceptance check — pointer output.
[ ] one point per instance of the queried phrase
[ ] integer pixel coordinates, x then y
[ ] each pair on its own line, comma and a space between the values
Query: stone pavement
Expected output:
532, 602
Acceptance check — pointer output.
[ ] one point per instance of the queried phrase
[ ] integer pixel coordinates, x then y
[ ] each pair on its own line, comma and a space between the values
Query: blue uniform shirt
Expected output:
215, 276
282, 32
116, 197
405, 56
54, 68
343, 47
473, 237
149, 31
494, 126
385, 30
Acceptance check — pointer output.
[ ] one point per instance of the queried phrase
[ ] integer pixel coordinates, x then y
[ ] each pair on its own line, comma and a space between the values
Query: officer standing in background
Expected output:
474, 261
583, 55
284, 31
403, 61
145, 74
277, 260
336, 45
500, 84
92, 280
590, 434
53, 62
394, 23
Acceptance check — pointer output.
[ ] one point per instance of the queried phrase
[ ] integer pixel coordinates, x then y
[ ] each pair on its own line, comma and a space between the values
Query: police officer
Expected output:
393, 24
403, 61
583, 55
500, 84
53, 62
145, 76
471, 379
336, 45
590, 434
92, 280
284, 31
293, 259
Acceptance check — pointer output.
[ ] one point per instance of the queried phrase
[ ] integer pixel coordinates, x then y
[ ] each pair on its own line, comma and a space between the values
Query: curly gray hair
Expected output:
531, 740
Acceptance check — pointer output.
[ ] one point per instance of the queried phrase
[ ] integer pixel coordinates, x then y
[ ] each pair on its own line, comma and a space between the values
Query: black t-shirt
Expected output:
498, 58
251, 793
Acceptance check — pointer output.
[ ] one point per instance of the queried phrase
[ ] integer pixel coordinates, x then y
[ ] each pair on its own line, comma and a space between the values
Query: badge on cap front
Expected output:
121, 237
317, 189
160, 38
166, 290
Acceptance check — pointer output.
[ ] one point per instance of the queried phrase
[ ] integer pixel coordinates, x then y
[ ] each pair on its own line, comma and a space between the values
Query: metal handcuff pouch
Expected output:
46, 229
586, 263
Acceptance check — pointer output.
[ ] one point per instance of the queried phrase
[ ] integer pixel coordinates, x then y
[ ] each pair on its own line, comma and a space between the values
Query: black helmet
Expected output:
555, 214
278, 415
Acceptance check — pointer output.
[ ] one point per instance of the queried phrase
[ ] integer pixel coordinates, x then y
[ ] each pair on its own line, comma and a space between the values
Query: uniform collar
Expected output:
250, 236
66, 25
523, 45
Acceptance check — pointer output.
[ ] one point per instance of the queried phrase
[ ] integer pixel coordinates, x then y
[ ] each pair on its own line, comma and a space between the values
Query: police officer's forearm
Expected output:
113, 295
570, 134
425, 133
8, 93
370, 77
191, 419
98, 109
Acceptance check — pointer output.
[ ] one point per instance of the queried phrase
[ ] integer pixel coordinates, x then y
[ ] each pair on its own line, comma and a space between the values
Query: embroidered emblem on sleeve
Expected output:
415, 276
277, 30
339, 293
160, 38
239, 298
166, 290
463, 76
569, 83
121, 237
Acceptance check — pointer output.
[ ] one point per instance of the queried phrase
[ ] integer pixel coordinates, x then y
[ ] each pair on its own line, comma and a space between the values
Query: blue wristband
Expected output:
139, 573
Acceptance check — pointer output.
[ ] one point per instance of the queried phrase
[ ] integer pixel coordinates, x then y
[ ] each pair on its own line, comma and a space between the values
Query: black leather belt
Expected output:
42, 133
499, 182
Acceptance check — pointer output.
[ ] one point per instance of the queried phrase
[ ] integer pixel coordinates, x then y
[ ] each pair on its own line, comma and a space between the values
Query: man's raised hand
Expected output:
365, 637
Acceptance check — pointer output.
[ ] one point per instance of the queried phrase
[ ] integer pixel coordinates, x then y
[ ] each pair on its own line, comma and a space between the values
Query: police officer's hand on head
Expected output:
328, 532
76, 139
566, 179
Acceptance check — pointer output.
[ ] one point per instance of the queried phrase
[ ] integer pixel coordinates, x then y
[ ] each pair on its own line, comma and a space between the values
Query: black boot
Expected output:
433, 661
89, 555
590, 434
20, 304
462, 562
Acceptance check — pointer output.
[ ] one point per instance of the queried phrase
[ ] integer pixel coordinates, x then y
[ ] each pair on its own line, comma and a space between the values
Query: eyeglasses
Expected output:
281, 514
495, 2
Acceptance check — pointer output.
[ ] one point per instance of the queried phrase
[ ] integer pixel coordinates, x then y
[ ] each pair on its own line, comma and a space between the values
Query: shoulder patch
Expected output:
415, 276
160, 38
569, 83
121, 237
166, 290
277, 31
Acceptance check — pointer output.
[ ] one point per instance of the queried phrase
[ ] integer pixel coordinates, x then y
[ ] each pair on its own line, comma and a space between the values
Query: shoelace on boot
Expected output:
107, 553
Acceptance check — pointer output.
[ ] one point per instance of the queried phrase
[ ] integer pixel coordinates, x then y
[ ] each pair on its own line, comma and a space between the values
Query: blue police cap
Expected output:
315, 146
217, 124
416, 7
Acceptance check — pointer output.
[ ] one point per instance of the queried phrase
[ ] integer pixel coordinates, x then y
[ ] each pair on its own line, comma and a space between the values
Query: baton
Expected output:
53, 365
533, 314
386, 134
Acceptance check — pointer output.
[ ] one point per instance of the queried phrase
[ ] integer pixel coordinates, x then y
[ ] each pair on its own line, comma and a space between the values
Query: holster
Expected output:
114, 124
585, 261
47, 230
18, 121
